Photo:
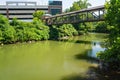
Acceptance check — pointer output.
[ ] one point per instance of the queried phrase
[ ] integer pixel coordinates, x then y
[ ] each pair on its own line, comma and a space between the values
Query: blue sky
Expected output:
66, 3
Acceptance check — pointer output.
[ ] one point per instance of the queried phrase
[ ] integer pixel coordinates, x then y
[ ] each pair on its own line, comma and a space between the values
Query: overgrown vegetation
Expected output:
63, 31
102, 27
19, 31
111, 55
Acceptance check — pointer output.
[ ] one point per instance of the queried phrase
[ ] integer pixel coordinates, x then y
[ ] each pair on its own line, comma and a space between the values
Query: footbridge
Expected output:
85, 15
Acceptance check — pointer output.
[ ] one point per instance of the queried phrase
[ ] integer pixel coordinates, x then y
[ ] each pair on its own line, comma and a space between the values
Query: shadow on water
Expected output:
77, 41
86, 57
94, 73
74, 77
83, 42
91, 74
90, 54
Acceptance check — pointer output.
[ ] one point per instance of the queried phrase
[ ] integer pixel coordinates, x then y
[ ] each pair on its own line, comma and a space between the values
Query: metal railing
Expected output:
84, 15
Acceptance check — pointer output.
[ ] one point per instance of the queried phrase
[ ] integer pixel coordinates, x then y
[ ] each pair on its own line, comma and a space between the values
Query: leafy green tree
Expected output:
4, 20
67, 10
9, 34
80, 4
101, 27
43, 29
112, 54
14, 22
19, 31
65, 30
38, 14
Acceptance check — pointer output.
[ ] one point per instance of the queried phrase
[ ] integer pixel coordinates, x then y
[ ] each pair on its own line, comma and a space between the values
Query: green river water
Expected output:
49, 60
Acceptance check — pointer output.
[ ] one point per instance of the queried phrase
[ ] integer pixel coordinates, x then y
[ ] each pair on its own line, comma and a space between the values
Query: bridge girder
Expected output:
84, 15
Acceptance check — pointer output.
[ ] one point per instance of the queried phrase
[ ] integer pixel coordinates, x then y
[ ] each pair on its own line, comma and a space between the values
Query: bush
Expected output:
112, 54
22, 31
62, 31
67, 30
9, 34
38, 14
101, 27
4, 20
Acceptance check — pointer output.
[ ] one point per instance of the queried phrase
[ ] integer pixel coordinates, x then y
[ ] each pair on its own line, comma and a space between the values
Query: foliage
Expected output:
9, 34
101, 27
80, 4
22, 31
67, 10
64, 30
4, 20
112, 54
54, 33
67, 30
38, 14
14, 22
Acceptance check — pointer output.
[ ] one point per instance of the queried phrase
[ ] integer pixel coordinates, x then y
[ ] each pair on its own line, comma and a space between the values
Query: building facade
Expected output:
55, 7
25, 10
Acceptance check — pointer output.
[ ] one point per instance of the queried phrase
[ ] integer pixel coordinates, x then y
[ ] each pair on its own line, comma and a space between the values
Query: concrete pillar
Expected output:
25, 4
17, 4
99, 14
7, 12
87, 17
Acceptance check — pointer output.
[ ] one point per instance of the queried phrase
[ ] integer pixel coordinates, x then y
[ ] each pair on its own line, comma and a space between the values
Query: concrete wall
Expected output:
21, 11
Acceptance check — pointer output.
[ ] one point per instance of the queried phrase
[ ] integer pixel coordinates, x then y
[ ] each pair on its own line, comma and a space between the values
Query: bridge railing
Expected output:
84, 15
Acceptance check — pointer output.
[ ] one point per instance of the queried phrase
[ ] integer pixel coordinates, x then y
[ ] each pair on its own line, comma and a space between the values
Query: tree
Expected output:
112, 54
19, 31
62, 31
101, 27
67, 10
78, 5
81, 4
38, 14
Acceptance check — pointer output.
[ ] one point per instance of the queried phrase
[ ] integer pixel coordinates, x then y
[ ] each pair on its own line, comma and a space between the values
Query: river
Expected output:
50, 60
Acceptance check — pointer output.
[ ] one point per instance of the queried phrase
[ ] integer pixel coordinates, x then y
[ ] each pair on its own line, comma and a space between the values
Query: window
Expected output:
55, 3
55, 11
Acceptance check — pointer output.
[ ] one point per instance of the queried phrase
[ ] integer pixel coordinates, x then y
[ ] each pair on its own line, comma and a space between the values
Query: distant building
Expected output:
24, 10
55, 7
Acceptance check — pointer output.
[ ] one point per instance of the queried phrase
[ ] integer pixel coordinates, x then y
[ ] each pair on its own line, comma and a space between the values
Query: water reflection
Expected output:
96, 47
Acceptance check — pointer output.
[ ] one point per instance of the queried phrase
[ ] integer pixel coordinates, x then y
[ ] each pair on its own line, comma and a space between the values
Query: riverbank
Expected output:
99, 74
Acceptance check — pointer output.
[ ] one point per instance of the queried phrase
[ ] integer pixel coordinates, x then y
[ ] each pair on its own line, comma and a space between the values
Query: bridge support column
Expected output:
7, 11
99, 14
87, 16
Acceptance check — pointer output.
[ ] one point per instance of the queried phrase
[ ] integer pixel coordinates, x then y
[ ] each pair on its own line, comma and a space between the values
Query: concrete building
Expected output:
55, 7
24, 10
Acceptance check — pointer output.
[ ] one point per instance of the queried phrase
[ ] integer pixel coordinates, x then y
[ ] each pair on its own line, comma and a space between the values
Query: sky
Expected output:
66, 3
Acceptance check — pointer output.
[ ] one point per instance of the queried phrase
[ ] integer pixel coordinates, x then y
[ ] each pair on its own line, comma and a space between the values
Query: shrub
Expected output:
62, 31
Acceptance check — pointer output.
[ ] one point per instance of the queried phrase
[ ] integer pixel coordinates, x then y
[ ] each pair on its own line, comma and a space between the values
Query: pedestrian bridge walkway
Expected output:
85, 15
